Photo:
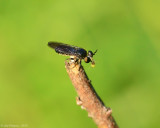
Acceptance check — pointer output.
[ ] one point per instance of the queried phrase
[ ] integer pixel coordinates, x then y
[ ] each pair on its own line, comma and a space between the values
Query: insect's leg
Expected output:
92, 63
71, 60
76, 61
79, 62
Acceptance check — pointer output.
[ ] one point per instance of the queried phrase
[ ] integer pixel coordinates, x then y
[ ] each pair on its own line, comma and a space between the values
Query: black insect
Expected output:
76, 54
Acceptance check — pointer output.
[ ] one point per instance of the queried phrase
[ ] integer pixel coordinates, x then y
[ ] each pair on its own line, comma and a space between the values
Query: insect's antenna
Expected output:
95, 52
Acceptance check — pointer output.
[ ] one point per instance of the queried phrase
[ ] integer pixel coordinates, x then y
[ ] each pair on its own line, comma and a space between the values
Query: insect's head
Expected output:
89, 58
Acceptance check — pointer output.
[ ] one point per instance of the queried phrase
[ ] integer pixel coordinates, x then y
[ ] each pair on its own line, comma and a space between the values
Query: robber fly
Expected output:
76, 54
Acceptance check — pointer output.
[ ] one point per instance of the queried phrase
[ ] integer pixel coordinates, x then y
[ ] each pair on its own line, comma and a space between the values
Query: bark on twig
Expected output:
88, 98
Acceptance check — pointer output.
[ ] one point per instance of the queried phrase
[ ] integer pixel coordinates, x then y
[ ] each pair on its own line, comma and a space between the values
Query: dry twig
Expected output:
88, 98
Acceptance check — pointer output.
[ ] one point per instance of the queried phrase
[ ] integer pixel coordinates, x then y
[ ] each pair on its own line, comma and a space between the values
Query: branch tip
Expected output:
87, 98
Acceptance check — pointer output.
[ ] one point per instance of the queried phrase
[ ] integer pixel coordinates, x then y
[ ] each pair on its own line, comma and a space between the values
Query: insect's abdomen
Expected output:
71, 51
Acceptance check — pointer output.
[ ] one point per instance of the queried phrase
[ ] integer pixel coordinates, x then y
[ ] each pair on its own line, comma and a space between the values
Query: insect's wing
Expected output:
66, 49
54, 44
61, 48
69, 50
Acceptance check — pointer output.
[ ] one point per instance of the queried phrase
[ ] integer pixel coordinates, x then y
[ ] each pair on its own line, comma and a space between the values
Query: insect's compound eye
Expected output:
87, 59
90, 53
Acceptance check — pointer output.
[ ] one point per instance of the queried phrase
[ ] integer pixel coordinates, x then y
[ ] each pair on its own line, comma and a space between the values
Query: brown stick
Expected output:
88, 98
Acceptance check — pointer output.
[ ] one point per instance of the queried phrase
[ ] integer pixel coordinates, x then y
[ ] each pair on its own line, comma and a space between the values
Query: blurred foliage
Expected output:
34, 87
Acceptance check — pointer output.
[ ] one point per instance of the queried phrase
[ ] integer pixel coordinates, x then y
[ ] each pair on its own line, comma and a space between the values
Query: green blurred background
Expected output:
35, 89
